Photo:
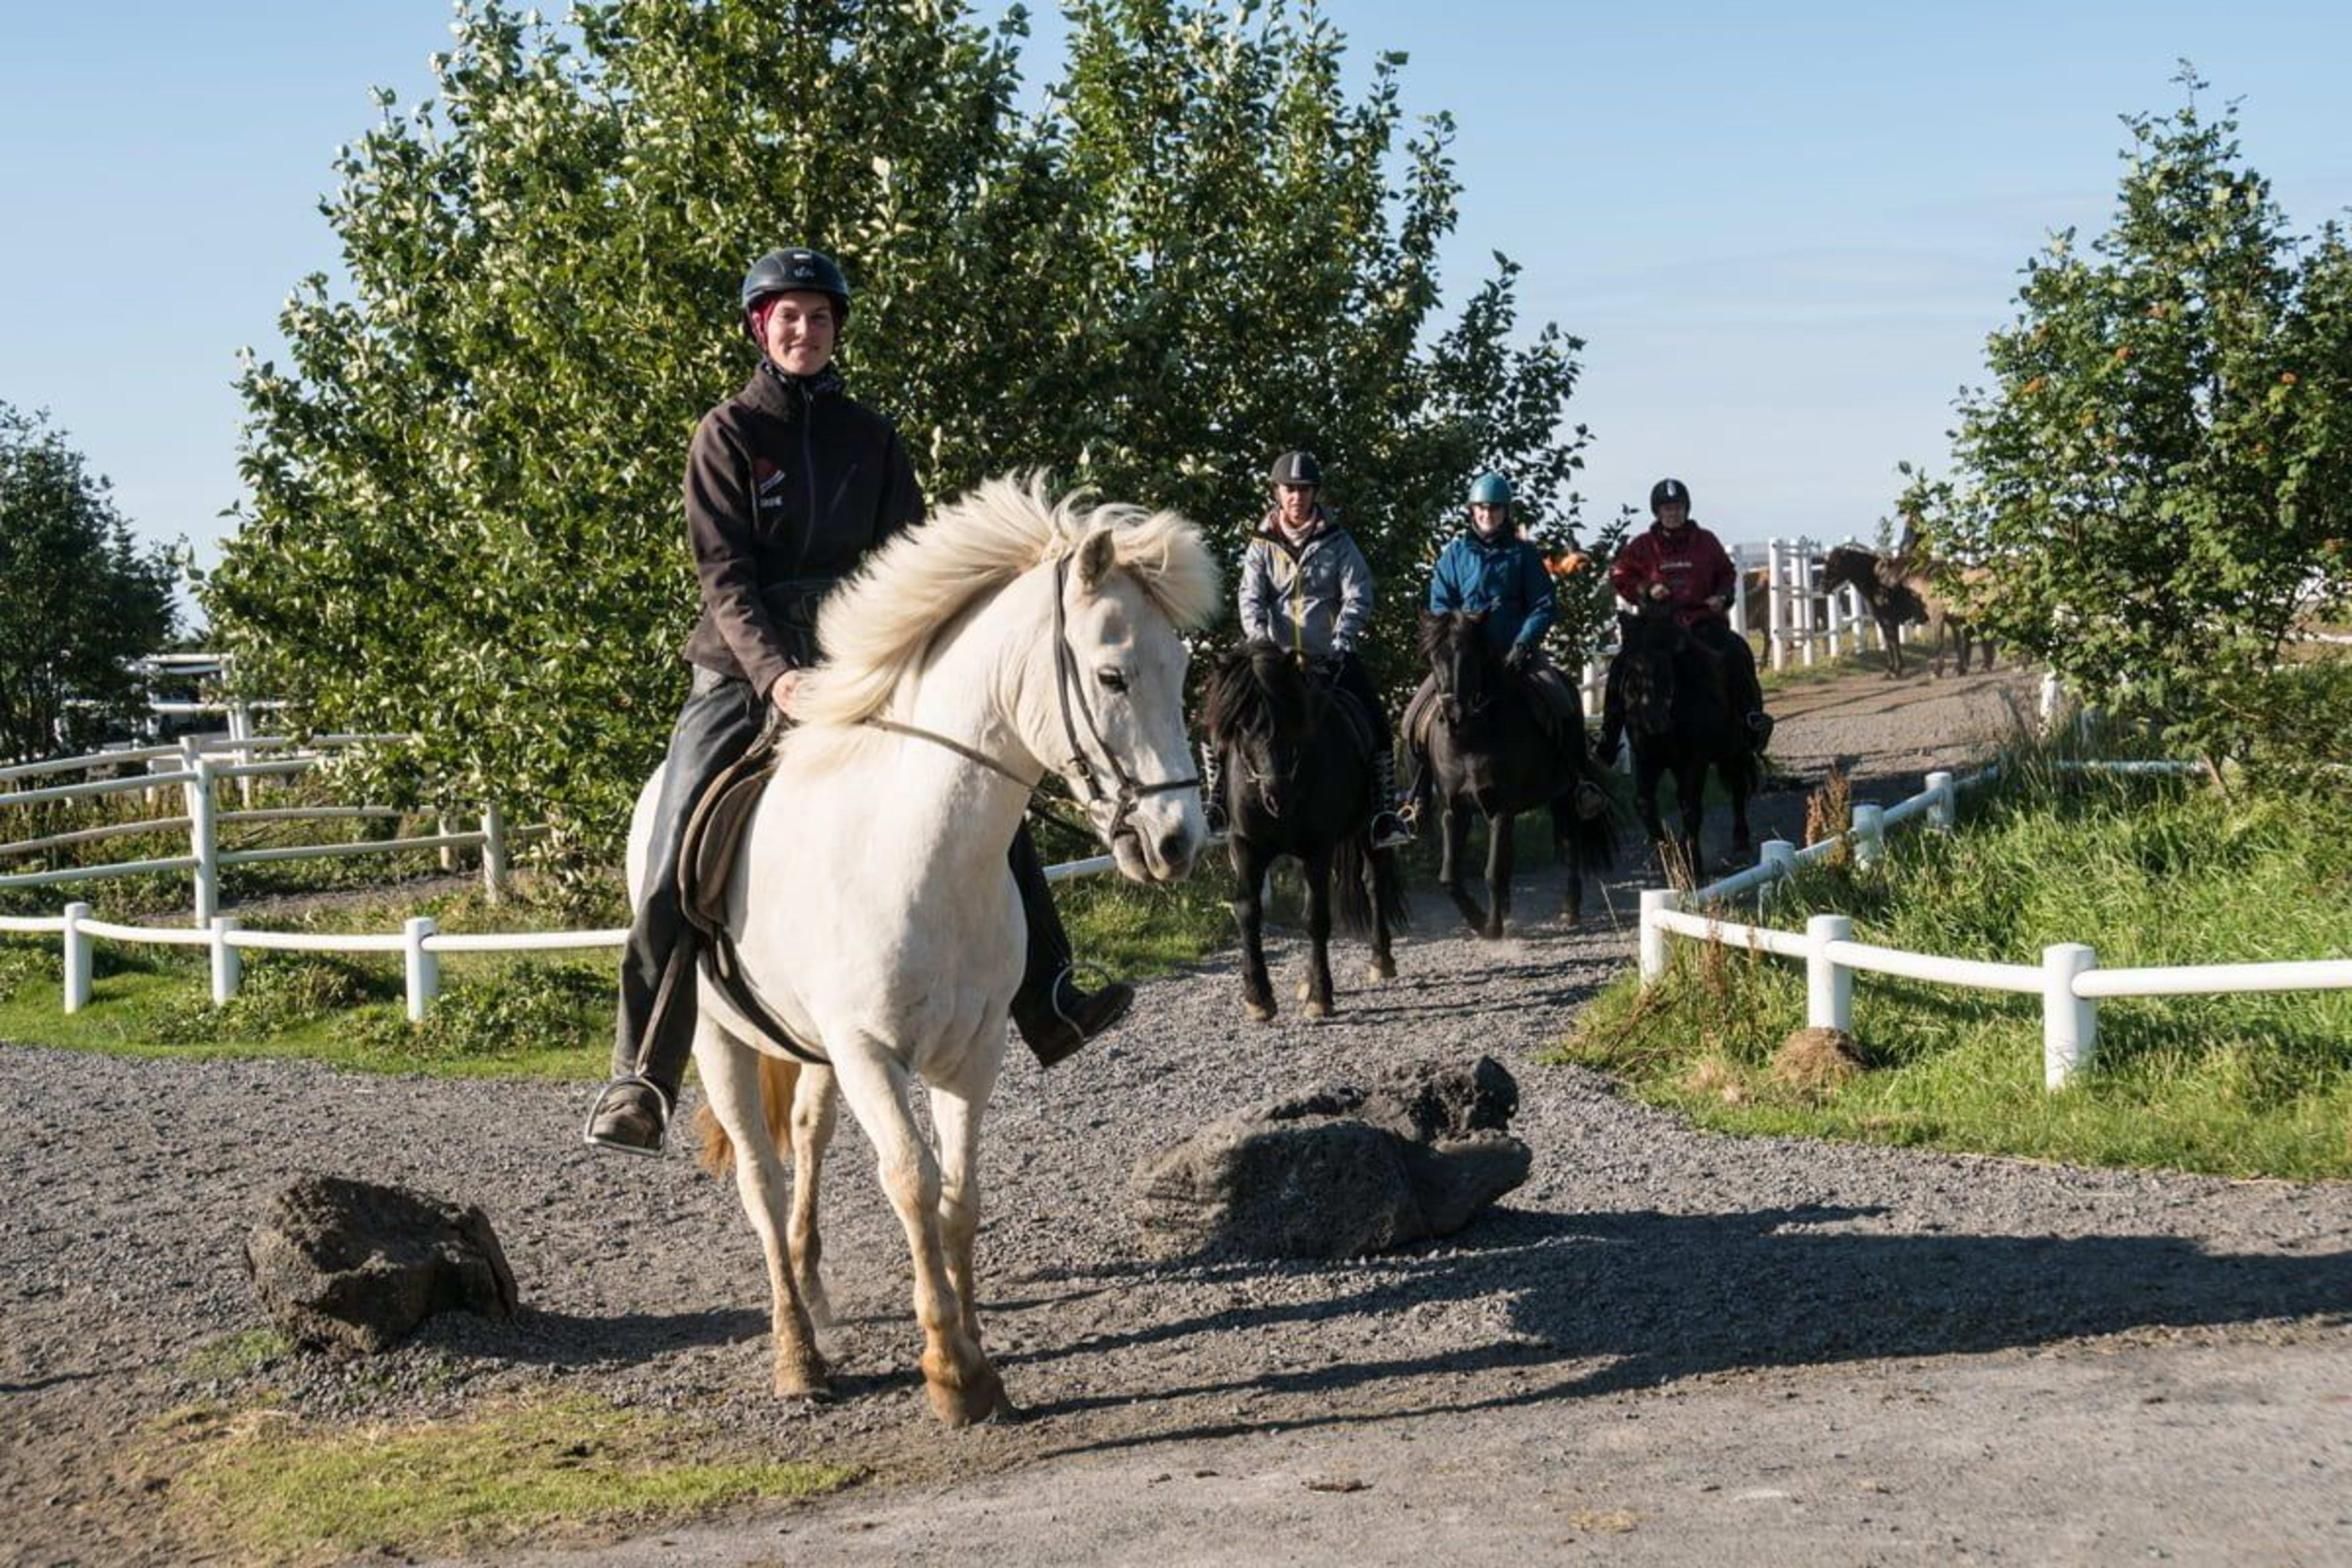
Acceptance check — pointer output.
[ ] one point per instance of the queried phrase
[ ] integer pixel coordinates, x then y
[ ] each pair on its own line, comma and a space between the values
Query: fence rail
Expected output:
2068, 979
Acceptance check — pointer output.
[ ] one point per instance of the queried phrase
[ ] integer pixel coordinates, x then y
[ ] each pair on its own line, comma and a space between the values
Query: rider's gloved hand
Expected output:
1520, 658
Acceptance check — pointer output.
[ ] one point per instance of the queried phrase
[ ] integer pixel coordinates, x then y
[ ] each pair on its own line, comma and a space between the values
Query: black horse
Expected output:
1297, 780
1490, 750
1679, 718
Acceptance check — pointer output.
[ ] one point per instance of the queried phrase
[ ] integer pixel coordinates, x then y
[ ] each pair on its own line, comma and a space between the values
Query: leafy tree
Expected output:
464, 516
80, 601
2157, 480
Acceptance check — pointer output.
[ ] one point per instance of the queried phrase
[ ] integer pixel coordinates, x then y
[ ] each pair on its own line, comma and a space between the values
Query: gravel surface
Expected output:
1668, 1346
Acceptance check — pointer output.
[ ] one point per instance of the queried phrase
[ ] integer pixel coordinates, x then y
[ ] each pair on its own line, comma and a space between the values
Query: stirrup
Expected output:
597, 1110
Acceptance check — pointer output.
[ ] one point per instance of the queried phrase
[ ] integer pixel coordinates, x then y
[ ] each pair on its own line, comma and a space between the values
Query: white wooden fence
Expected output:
2067, 979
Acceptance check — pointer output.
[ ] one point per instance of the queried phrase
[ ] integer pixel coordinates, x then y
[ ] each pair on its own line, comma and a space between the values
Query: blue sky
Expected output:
1782, 230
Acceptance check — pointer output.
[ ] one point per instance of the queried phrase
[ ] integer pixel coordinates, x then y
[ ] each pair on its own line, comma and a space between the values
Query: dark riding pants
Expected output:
652, 1032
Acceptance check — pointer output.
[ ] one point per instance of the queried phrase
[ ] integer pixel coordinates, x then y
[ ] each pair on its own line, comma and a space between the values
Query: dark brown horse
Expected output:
1901, 590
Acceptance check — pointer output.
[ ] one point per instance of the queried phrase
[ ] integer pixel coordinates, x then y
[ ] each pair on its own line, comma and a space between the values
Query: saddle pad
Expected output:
714, 831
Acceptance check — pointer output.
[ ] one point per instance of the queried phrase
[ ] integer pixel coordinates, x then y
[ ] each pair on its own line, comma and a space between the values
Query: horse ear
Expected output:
1096, 553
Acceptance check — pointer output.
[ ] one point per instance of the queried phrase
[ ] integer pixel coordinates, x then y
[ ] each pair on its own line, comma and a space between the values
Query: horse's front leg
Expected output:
815, 1115
1498, 873
732, 1078
962, 1386
1250, 864
956, 1113
1315, 989
1449, 874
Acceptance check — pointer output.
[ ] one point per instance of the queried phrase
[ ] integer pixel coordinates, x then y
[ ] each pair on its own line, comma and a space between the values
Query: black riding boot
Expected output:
1054, 1015
653, 1031
1613, 714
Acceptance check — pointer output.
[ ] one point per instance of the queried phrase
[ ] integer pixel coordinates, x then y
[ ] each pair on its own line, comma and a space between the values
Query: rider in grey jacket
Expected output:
1306, 587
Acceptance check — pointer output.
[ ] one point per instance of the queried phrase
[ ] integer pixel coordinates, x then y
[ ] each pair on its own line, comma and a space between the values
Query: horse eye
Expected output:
1112, 679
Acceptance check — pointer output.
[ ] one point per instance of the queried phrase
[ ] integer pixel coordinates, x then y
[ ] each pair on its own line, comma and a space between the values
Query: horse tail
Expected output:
1351, 903
778, 1078
1592, 840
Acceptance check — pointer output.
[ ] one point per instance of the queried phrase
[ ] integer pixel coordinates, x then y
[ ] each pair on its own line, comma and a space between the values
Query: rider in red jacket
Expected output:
1683, 565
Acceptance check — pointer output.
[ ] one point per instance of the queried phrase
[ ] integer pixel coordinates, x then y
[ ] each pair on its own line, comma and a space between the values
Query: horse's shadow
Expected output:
1627, 1301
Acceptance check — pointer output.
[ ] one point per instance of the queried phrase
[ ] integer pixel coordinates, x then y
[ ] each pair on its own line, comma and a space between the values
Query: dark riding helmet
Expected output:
1665, 490
790, 270
1297, 468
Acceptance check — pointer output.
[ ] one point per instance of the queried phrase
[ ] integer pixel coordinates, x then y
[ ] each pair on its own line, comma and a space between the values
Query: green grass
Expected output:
271, 1488
2148, 873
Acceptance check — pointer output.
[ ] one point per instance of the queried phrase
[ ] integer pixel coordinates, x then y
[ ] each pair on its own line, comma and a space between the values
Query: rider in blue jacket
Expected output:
1491, 569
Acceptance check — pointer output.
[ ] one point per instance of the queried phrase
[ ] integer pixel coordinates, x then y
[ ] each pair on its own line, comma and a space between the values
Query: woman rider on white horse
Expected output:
788, 484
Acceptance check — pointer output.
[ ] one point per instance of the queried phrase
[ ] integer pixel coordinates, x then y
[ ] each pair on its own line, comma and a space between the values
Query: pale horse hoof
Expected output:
983, 1400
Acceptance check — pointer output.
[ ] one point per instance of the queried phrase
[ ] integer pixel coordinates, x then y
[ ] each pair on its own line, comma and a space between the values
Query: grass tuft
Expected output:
271, 1488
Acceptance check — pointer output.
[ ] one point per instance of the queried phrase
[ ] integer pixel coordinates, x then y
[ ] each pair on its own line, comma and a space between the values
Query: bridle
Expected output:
1108, 809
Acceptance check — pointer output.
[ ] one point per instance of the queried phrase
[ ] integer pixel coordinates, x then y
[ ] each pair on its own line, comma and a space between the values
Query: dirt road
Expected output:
1669, 1346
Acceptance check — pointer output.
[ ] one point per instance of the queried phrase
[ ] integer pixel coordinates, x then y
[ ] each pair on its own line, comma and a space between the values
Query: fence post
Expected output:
77, 958
1869, 834
1655, 900
1828, 987
204, 839
240, 730
494, 852
424, 966
1944, 811
228, 963
2070, 1024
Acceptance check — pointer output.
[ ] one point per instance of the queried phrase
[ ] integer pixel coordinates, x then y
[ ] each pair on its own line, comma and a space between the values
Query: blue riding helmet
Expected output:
1490, 488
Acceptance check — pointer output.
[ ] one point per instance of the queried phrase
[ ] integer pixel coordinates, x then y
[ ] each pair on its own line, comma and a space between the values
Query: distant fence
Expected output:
2068, 979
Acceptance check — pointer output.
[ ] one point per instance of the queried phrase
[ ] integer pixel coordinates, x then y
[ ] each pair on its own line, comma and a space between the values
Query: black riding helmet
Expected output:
790, 270
1297, 468
1665, 490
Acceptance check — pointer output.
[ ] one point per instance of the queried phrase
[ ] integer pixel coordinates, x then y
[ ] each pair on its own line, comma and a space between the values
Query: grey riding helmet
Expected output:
791, 270
1665, 490
1297, 468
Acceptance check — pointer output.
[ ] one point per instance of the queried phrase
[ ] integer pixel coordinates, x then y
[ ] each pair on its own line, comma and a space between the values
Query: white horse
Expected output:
872, 907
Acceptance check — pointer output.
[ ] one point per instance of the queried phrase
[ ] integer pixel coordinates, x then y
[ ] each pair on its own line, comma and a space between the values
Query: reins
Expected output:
1069, 690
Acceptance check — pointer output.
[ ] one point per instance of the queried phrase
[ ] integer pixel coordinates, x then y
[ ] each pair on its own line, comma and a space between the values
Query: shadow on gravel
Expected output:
1625, 1302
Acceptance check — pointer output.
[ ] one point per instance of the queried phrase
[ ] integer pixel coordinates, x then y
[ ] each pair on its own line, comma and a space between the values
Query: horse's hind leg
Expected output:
1315, 990
814, 1111
1564, 829
962, 1386
735, 1084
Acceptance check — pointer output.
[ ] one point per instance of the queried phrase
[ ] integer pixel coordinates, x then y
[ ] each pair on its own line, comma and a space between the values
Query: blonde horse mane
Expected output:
877, 626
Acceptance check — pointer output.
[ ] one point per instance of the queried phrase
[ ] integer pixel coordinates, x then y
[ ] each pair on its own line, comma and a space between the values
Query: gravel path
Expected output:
1668, 1346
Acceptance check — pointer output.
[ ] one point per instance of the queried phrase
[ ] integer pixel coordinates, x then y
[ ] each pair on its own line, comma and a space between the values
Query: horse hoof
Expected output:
978, 1400
812, 1382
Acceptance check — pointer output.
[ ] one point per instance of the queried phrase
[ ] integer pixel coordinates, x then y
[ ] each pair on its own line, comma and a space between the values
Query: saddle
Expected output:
706, 856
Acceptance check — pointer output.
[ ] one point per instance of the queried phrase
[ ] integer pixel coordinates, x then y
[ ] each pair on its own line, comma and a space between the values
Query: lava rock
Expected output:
352, 1268
1339, 1172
